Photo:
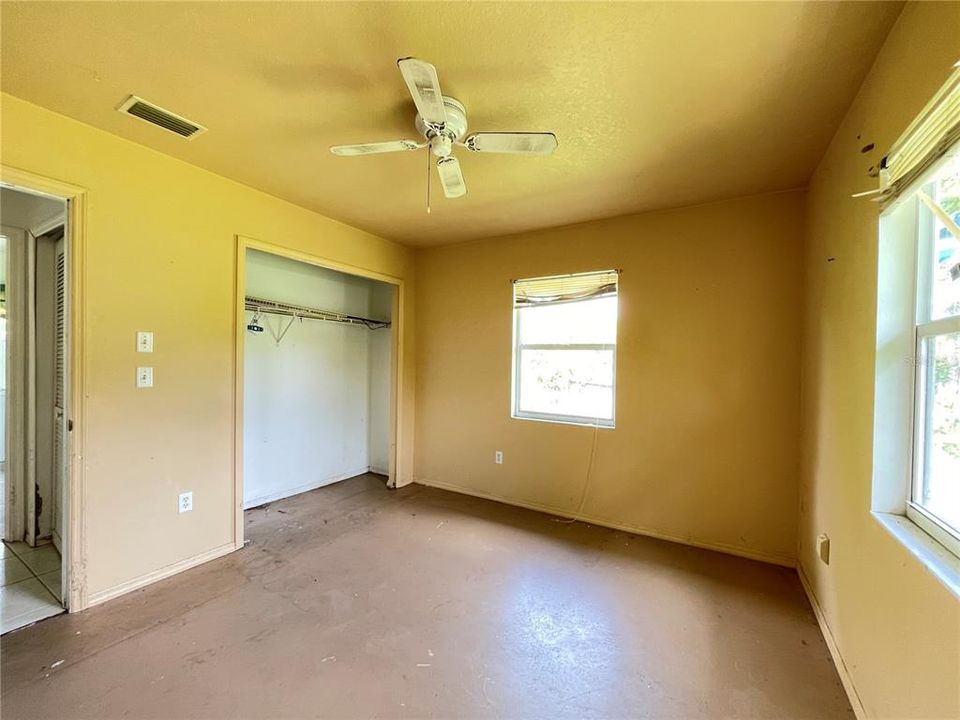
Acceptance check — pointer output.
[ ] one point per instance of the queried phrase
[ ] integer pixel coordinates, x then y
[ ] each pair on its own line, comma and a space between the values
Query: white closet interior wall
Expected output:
316, 406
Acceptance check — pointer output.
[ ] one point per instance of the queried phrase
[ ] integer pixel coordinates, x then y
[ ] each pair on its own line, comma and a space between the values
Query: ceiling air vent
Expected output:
148, 112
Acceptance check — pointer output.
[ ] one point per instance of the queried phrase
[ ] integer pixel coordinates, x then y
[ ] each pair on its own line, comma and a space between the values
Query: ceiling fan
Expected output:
442, 121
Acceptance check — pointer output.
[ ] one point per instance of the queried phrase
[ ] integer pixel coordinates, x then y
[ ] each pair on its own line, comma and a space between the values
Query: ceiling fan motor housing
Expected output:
454, 129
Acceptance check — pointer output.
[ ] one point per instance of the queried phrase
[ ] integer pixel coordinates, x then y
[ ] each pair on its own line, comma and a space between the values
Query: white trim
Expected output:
590, 422
149, 578
924, 330
941, 326
903, 290
41, 228
307, 487
398, 439
16, 504
517, 349
566, 346
30, 395
74, 536
932, 555
845, 677
935, 528
771, 558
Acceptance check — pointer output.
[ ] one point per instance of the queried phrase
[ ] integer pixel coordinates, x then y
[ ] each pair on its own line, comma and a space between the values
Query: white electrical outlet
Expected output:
144, 341
498, 457
144, 377
186, 502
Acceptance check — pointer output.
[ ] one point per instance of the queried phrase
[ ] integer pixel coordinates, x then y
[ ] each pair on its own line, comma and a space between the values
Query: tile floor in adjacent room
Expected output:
31, 580
354, 601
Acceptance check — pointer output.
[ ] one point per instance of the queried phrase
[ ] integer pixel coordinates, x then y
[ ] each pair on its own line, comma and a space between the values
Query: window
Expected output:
934, 502
565, 348
916, 470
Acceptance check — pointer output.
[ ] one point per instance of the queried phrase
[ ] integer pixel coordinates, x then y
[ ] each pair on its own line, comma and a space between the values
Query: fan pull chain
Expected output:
428, 178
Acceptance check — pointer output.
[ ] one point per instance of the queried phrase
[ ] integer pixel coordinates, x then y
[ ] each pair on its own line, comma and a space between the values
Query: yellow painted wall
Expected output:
160, 253
706, 444
897, 628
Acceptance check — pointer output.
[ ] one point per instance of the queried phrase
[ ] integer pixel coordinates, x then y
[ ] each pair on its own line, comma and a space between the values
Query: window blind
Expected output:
564, 288
928, 138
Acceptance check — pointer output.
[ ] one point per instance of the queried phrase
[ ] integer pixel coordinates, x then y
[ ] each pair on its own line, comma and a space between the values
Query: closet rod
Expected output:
272, 307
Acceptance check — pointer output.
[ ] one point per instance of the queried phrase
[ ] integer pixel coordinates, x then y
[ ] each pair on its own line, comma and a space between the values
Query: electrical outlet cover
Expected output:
186, 502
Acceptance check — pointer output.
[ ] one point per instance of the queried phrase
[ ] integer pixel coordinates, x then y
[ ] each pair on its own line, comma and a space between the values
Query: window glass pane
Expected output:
585, 322
576, 383
938, 489
945, 279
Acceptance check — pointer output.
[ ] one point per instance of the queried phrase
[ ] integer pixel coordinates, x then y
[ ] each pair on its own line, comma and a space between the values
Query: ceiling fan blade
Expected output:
451, 177
424, 85
522, 143
374, 148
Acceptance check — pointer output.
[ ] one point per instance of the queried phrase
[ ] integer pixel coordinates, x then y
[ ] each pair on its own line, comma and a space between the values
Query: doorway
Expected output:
33, 336
317, 348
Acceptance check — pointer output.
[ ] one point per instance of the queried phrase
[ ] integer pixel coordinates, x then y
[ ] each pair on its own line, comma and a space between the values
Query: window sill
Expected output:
564, 420
935, 557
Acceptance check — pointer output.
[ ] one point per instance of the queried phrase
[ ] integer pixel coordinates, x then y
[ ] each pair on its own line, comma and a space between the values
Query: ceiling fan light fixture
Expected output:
441, 146
442, 121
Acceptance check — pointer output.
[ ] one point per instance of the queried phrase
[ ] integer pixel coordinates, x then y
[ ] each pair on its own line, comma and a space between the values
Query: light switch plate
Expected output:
144, 341
144, 377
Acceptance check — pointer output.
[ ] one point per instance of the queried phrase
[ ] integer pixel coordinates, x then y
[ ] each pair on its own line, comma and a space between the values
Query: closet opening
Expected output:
317, 376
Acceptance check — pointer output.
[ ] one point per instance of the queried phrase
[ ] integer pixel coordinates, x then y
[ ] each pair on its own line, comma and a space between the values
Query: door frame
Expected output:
19, 437
74, 545
244, 243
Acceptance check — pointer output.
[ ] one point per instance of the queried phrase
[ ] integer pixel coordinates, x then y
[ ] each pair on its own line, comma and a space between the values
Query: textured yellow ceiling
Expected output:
655, 104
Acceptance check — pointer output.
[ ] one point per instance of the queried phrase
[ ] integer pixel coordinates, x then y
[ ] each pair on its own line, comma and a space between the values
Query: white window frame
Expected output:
924, 328
518, 414
911, 163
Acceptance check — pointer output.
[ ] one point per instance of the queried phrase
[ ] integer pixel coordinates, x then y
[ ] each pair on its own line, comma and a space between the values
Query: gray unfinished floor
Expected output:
356, 601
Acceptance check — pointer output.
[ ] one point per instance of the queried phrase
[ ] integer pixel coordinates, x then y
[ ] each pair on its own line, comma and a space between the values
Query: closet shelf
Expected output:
272, 307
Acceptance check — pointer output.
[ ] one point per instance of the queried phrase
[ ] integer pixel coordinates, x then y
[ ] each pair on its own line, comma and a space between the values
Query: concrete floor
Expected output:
356, 601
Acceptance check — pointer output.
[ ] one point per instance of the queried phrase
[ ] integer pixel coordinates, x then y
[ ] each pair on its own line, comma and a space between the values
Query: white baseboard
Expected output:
774, 559
378, 471
834, 649
289, 492
102, 596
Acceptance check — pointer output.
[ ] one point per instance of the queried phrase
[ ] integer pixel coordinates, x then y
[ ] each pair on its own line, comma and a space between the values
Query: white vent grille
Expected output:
155, 115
